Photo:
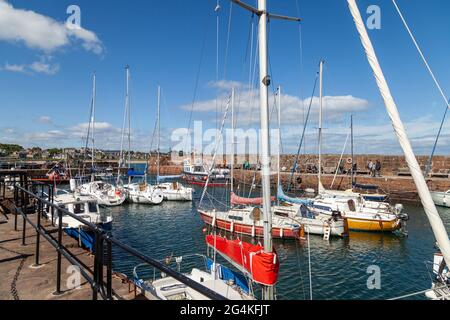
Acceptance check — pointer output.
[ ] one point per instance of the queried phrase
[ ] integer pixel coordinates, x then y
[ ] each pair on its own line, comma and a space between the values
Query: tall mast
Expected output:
94, 93
264, 82
233, 140
351, 130
279, 140
427, 202
320, 189
129, 116
159, 131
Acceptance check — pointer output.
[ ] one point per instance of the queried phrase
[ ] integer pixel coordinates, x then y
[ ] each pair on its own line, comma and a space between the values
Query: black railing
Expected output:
27, 200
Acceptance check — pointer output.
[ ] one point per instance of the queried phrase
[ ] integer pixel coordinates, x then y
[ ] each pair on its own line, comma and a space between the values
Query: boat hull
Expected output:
441, 199
373, 225
250, 230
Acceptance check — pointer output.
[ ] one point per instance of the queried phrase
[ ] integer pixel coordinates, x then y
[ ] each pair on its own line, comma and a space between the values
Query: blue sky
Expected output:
45, 76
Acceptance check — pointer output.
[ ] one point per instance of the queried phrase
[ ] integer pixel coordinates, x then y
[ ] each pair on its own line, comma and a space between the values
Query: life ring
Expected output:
349, 160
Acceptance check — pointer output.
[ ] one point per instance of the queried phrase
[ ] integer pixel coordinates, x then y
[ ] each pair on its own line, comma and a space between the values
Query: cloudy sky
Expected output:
46, 69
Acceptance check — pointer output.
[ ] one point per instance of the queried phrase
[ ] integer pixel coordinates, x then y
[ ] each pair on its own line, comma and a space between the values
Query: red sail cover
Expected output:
262, 266
236, 200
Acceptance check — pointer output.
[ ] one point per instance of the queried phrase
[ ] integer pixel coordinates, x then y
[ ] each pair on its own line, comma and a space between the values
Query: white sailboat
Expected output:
136, 192
441, 199
172, 191
105, 193
312, 221
361, 215
440, 286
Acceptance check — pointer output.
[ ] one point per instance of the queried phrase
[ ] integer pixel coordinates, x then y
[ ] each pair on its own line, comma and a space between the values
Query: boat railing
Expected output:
30, 205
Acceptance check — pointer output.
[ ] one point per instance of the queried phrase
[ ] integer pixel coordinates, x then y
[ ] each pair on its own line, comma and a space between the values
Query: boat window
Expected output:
236, 218
281, 214
78, 208
351, 205
92, 207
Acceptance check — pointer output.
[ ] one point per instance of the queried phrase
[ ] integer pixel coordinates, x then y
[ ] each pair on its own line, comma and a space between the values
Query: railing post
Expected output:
52, 208
96, 267
109, 269
38, 234
58, 265
100, 261
16, 204
24, 225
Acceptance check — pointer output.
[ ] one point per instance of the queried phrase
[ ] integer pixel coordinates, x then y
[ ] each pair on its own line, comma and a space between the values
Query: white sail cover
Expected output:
422, 188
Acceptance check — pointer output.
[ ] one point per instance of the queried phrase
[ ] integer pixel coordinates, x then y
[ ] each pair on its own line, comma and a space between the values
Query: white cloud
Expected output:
226, 85
247, 104
37, 31
45, 120
41, 66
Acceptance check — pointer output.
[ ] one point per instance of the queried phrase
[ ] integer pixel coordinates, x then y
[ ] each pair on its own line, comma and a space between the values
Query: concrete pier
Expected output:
20, 279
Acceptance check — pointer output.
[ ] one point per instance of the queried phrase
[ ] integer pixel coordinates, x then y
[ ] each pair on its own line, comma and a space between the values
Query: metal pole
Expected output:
109, 269
232, 140
320, 126
94, 89
96, 265
38, 235
16, 203
159, 133
353, 174
58, 264
279, 142
265, 142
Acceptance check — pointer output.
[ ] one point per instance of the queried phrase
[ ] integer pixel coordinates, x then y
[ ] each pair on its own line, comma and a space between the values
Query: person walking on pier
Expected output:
370, 167
378, 168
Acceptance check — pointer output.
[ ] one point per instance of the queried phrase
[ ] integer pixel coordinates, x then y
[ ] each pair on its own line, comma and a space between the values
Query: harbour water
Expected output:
339, 268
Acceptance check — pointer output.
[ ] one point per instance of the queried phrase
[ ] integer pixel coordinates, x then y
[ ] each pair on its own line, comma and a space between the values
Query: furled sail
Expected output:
283, 197
236, 200
163, 178
262, 267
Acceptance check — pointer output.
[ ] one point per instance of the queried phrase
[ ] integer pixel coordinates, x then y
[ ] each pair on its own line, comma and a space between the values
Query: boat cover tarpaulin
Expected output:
261, 266
227, 274
365, 186
163, 178
236, 200
283, 197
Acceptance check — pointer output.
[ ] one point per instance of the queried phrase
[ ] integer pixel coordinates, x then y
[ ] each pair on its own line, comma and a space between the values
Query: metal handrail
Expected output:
101, 237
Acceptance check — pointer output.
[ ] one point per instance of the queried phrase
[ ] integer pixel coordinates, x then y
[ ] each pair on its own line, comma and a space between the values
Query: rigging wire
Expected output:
303, 133
197, 80
444, 96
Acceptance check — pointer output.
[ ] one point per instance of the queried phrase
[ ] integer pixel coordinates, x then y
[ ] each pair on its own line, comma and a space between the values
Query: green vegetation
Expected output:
9, 149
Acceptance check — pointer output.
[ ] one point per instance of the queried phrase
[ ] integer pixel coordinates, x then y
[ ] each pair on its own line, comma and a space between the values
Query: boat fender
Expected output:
253, 231
281, 232
232, 226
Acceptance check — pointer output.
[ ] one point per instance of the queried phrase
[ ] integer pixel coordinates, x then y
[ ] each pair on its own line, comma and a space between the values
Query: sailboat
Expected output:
137, 192
105, 193
312, 221
361, 215
440, 286
172, 191
245, 215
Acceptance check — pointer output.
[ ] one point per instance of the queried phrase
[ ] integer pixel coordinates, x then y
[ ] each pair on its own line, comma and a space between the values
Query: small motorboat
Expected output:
216, 277
86, 208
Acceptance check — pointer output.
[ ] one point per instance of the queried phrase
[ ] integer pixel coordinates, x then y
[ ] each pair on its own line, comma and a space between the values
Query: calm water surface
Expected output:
339, 268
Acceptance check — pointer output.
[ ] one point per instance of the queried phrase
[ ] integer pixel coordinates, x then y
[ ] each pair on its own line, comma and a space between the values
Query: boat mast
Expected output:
351, 130
320, 188
159, 132
279, 141
94, 93
427, 202
264, 82
232, 141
